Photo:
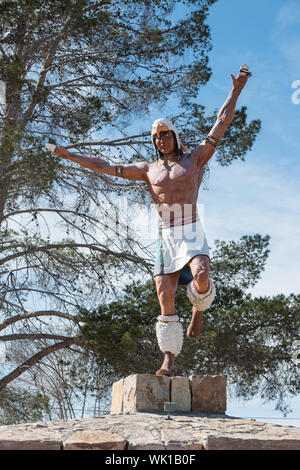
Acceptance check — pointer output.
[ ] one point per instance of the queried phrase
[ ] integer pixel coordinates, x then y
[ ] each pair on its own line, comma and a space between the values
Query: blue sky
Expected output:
260, 195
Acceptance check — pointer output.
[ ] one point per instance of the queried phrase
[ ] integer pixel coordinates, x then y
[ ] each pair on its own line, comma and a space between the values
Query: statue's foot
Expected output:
167, 367
167, 372
194, 328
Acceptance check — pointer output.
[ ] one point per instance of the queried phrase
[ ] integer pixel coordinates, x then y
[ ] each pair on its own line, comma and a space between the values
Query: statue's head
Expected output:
164, 125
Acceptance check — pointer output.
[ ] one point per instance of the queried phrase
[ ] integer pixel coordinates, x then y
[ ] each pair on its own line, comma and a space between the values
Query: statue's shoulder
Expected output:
186, 156
154, 164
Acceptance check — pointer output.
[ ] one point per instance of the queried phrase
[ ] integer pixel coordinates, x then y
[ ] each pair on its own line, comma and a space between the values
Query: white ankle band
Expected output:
169, 336
167, 318
201, 301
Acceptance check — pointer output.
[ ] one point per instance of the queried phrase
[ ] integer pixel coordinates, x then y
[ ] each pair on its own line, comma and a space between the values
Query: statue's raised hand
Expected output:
240, 81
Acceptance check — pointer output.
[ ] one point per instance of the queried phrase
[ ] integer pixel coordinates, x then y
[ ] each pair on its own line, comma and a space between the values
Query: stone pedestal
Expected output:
117, 397
208, 393
146, 392
181, 393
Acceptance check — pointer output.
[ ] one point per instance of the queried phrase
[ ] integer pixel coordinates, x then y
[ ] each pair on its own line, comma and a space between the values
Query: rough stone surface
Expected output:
174, 439
181, 393
94, 440
208, 393
145, 392
132, 426
117, 397
159, 430
146, 439
34, 437
20, 443
236, 443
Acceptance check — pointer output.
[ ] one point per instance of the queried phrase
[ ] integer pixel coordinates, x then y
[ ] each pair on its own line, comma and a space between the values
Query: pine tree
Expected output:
80, 73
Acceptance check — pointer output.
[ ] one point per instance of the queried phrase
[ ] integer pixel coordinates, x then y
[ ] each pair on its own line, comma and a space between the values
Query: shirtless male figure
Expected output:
173, 181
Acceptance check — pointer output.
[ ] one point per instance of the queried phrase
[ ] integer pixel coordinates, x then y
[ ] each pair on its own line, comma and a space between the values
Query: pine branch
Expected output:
35, 359
18, 336
42, 77
40, 313
93, 247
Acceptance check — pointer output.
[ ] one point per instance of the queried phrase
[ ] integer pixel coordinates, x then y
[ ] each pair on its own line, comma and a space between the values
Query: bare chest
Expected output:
175, 174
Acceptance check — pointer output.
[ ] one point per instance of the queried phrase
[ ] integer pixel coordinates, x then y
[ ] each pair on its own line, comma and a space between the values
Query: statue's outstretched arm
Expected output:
133, 171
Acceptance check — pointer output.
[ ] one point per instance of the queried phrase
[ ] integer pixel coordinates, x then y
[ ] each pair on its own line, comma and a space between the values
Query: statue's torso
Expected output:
175, 183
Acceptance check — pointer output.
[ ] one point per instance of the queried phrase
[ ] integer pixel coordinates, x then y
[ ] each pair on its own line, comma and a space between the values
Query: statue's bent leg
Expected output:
201, 301
201, 293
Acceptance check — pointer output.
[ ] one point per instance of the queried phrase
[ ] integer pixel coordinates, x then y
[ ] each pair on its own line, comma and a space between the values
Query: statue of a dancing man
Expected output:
182, 254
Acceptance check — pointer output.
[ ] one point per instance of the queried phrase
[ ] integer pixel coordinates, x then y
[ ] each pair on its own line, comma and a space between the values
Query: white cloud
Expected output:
258, 197
285, 35
288, 14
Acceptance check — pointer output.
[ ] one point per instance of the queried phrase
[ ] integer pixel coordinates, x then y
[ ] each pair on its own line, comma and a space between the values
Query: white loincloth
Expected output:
176, 245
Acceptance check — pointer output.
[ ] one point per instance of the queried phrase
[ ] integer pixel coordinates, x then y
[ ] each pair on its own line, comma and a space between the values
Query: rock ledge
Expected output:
151, 431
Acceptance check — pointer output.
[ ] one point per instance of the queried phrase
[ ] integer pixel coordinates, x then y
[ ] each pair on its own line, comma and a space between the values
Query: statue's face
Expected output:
165, 142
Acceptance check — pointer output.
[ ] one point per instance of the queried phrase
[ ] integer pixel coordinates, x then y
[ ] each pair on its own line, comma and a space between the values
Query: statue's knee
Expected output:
201, 278
198, 300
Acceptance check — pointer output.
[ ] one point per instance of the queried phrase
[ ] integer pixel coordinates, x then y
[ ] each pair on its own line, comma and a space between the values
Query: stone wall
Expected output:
138, 422
151, 431
146, 392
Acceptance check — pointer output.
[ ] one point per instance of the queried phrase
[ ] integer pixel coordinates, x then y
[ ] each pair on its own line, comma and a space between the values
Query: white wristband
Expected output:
50, 147
167, 318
